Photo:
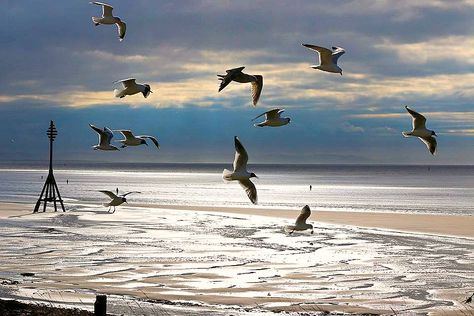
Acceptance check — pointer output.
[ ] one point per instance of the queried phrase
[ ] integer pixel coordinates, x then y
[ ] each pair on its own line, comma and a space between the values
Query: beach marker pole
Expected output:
50, 186
100, 305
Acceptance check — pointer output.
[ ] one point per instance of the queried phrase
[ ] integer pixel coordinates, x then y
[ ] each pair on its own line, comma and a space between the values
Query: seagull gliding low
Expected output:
240, 172
300, 223
116, 199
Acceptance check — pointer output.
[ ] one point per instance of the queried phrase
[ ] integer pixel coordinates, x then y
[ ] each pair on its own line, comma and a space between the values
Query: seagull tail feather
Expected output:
407, 134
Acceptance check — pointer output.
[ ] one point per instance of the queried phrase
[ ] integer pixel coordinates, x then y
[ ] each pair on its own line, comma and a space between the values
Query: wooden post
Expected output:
100, 305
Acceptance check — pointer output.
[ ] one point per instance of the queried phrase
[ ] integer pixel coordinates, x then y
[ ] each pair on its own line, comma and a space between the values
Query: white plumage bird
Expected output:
116, 199
105, 136
132, 140
130, 87
300, 224
237, 75
108, 18
240, 172
327, 58
273, 119
419, 130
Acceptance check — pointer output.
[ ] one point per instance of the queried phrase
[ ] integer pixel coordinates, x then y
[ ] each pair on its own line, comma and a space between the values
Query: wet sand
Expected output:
205, 260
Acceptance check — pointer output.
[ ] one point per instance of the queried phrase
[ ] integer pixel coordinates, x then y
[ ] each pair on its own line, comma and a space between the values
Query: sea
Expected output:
436, 189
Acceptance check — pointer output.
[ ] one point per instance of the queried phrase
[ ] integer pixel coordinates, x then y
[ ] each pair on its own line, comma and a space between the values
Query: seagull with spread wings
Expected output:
116, 199
420, 131
237, 75
300, 223
273, 119
240, 172
130, 87
108, 18
327, 58
105, 136
132, 140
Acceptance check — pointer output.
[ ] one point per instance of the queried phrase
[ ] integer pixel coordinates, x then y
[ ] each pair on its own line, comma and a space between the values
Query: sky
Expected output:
56, 65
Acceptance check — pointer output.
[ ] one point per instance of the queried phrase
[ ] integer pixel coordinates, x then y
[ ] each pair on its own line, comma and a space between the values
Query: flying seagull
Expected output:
300, 223
237, 75
105, 135
132, 140
130, 87
116, 199
240, 172
108, 18
327, 58
273, 119
420, 131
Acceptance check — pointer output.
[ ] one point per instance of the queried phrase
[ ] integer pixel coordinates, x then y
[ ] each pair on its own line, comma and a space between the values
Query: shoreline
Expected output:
432, 224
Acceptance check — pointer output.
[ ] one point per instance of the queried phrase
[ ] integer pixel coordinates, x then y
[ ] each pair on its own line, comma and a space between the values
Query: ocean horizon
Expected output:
433, 189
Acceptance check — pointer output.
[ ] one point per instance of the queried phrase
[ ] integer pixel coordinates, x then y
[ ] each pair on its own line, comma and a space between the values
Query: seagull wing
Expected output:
257, 87
110, 194
250, 189
305, 213
228, 77
124, 195
418, 119
104, 137
336, 53
107, 136
126, 133
106, 8
127, 82
431, 143
241, 156
235, 70
121, 28
325, 55
153, 139
274, 114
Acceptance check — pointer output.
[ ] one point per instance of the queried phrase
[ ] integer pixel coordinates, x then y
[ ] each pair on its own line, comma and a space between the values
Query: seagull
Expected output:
240, 172
237, 75
105, 135
132, 140
327, 58
300, 223
116, 199
108, 18
273, 119
130, 87
420, 131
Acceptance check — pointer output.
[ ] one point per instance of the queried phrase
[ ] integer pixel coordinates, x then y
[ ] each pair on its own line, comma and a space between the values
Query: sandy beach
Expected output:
201, 260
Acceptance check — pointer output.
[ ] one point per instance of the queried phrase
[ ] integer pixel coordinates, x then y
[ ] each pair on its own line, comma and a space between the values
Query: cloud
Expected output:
448, 49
